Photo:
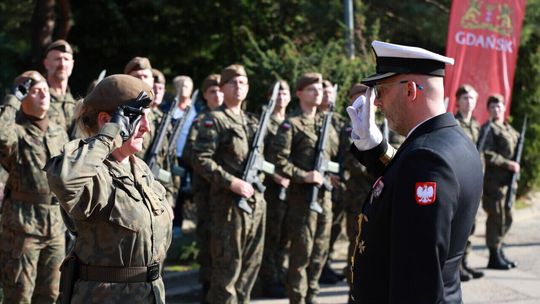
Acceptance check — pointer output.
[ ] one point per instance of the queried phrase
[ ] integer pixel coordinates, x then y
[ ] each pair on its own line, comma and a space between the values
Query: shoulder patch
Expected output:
208, 123
285, 126
425, 193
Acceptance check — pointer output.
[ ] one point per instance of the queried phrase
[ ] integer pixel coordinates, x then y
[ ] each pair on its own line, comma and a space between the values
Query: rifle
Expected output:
515, 175
176, 170
152, 155
255, 161
482, 140
323, 165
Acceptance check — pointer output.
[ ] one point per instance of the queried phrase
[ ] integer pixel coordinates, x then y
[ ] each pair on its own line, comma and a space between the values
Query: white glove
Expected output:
365, 135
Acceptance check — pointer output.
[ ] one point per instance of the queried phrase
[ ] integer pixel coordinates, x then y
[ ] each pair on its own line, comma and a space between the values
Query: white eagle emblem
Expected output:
426, 193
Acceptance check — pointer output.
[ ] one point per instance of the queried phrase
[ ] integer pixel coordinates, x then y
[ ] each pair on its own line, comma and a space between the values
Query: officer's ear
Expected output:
103, 118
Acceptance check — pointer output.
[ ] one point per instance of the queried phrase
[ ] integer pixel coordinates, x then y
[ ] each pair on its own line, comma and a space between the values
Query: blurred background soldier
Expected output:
294, 154
221, 150
201, 195
184, 88
271, 276
466, 97
328, 275
357, 181
32, 240
499, 148
58, 63
123, 220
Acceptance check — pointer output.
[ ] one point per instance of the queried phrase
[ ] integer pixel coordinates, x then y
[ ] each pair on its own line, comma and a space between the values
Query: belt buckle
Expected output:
152, 272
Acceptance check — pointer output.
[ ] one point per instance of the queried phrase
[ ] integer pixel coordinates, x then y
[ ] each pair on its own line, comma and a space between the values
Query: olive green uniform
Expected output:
294, 150
237, 238
32, 238
62, 110
122, 218
499, 149
272, 270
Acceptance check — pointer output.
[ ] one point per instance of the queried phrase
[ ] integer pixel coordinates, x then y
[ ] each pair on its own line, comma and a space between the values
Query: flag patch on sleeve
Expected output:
426, 193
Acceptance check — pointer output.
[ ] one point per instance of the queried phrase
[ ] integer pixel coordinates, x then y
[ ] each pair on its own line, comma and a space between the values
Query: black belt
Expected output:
119, 274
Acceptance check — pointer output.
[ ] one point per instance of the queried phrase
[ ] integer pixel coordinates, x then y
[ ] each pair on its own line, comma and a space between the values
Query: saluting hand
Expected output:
242, 188
366, 135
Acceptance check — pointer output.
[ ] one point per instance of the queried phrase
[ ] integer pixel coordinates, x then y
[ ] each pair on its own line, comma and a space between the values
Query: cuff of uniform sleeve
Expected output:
226, 180
112, 131
299, 176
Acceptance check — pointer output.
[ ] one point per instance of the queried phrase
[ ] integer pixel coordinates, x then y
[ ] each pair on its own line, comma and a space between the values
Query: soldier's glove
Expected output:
129, 115
366, 135
20, 91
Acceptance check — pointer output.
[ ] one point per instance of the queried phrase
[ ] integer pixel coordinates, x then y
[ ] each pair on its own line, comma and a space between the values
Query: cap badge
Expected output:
426, 193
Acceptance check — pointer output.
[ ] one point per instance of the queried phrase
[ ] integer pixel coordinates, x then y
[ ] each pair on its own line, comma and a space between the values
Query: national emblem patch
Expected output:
426, 193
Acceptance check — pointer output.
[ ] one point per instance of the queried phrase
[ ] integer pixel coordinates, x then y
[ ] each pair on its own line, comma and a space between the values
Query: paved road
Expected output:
516, 286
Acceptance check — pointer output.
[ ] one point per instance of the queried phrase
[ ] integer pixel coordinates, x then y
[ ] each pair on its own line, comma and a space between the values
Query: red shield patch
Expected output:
425, 193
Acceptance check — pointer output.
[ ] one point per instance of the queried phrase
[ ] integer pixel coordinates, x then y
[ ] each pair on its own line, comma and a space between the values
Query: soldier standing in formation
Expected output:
221, 151
499, 148
294, 156
201, 196
272, 272
58, 63
122, 217
466, 97
32, 240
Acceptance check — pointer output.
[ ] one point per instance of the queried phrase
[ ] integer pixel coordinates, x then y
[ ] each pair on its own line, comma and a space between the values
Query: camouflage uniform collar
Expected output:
237, 118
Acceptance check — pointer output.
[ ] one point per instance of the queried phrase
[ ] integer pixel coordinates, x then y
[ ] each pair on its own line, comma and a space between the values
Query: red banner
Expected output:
483, 38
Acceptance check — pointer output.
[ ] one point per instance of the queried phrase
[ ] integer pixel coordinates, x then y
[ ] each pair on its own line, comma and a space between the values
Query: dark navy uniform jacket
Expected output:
418, 217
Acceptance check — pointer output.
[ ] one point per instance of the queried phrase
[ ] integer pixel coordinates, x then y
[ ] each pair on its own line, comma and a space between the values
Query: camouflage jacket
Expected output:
62, 110
499, 149
120, 212
24, 149
471, 129
355, 175
295, 144
222, 147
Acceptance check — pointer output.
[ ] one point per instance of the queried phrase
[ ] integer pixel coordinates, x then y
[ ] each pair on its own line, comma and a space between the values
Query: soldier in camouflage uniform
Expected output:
32, 238
120, 211
499, 149
221, 151
466, 97
271, 276
294, 156
58, 63
328, 275
201, 196
141, 68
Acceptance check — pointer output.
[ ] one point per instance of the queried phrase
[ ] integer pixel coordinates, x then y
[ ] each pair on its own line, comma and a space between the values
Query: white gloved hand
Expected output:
365, 135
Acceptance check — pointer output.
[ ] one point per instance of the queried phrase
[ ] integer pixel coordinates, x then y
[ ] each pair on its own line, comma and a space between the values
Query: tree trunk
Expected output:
43, 21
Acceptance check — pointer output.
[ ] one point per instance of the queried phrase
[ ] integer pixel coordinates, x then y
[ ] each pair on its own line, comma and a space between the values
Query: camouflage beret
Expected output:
32, 76
211, 80
158, 76
137, 63
116, 90
307, 79
230, 72
356, 88
326, 84
59, 45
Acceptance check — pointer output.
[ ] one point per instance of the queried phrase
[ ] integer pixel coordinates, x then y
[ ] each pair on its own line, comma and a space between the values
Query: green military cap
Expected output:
210, 81
307, 79
158, 76
29, 77
230, 72
137, 63
59, 45
356, 88
116, 90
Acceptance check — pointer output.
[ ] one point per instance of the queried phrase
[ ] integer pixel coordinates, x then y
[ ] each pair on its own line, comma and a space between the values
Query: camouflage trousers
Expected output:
30, 266
272, 271
201, 201
338, 216
309, 233
236, 245
499, 219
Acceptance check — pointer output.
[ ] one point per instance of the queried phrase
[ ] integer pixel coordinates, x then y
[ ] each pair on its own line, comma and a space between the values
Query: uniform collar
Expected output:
440, 121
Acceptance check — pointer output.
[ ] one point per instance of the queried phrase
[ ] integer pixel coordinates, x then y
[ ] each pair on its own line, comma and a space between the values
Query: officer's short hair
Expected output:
465, 89
495, 98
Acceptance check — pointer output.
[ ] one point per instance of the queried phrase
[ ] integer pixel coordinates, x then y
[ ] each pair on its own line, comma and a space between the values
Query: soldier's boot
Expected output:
274, 291
329, 276
513, 264
496, 261
476, 274
311, 298
464, 275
